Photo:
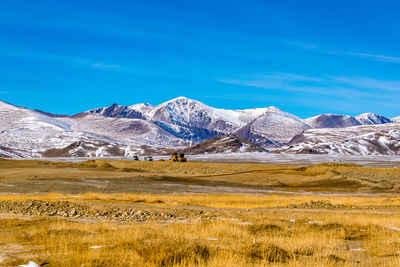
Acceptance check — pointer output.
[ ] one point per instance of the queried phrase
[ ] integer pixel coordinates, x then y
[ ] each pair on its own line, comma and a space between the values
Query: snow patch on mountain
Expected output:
12, 117
332, 121
276, 125
128, 131
396, 119
116, 111
381, 139
371, 118
142, 107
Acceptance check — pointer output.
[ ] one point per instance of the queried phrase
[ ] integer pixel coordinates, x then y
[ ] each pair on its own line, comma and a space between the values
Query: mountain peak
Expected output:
367, 114
117, 111
141, 107
181, 98
273, 108
372, 118
328, 120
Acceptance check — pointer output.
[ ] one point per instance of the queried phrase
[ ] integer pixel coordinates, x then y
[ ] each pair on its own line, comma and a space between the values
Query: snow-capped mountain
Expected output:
116, 111
182, 122
371, 118
273, 128
396, 119
343, 121
380, 139
189, 111
122, 130
332, 121
19, 118
24, 132
193, 120
186, 118
28, 133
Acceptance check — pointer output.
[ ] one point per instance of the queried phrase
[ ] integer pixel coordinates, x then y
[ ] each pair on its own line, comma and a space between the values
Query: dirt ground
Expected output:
111, 176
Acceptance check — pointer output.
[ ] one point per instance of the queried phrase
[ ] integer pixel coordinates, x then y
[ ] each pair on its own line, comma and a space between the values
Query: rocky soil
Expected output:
89, 211
320, 204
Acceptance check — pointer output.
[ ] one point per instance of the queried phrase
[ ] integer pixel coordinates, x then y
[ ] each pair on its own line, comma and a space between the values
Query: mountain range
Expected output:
181, 123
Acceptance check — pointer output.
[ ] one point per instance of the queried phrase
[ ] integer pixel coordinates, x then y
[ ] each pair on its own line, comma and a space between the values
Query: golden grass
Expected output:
274, 200
239, 237
277, 229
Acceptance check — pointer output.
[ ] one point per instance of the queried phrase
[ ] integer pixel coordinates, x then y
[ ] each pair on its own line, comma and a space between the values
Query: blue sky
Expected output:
305, 57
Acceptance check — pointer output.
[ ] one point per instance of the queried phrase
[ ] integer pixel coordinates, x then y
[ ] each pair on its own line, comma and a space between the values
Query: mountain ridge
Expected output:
379, 139
177, 123
372, 118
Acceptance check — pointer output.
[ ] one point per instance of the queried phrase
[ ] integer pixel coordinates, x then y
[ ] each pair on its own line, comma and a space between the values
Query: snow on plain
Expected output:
269, 158
298, 159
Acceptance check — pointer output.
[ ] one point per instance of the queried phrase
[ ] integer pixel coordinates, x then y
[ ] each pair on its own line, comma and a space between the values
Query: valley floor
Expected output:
125, 213
270, 158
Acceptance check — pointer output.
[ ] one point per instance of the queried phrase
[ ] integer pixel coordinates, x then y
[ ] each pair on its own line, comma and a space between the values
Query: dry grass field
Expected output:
122, 213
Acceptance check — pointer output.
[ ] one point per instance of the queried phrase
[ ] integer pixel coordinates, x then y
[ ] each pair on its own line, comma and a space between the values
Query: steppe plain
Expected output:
135, 213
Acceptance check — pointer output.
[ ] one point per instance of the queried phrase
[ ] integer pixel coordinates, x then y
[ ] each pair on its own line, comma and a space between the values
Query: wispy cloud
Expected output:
291, 77
369, 83
346, 95
104, 66
382, 58
340, 87
312, 89
59, 58
303, 45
